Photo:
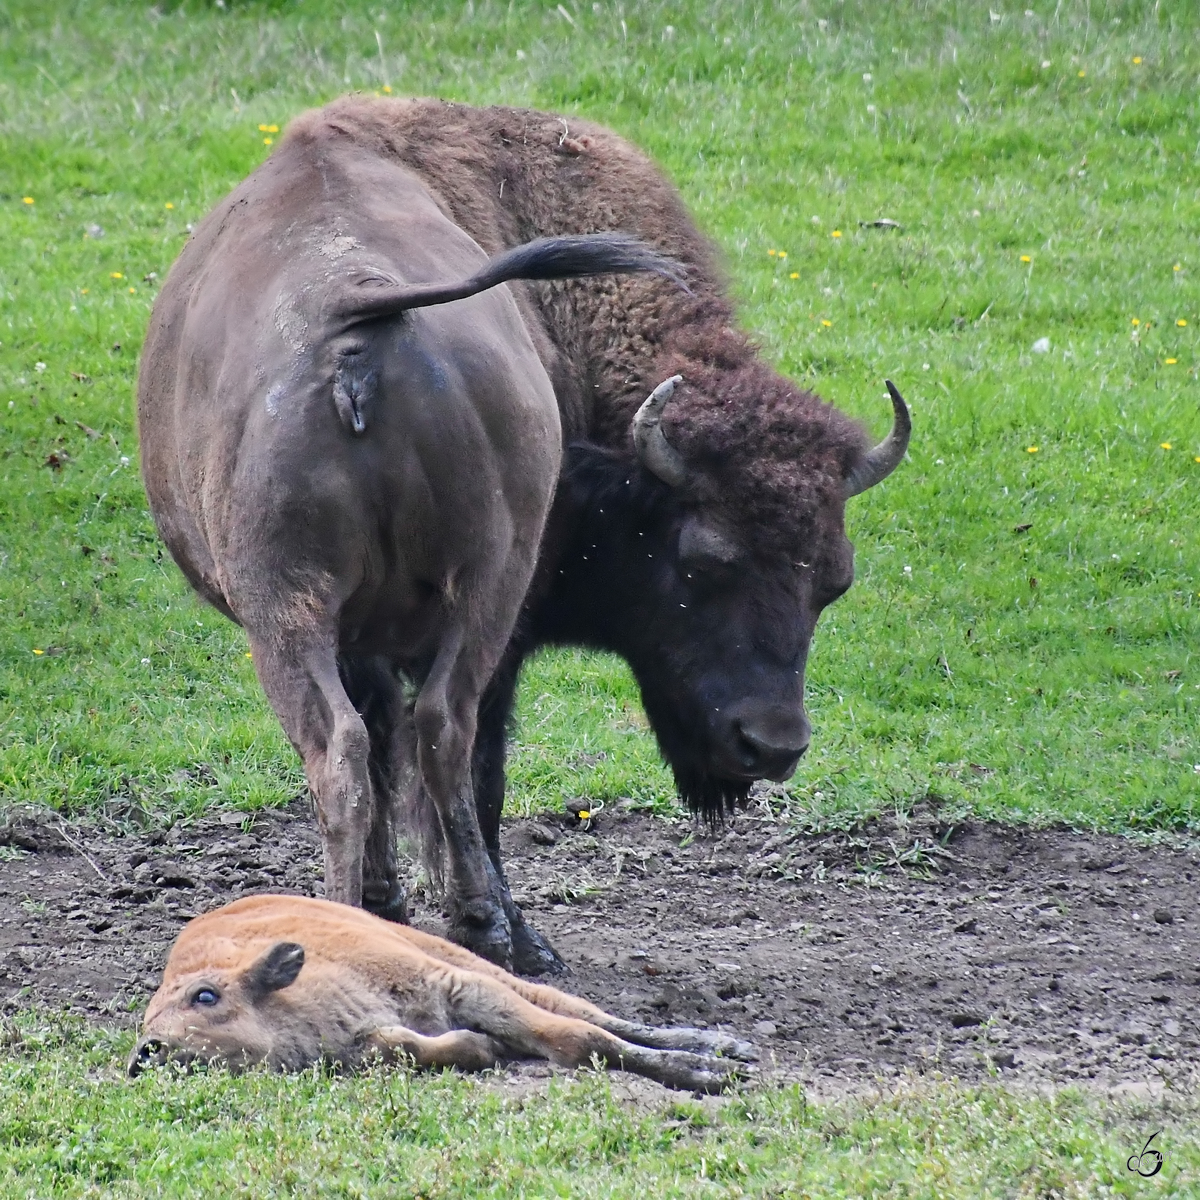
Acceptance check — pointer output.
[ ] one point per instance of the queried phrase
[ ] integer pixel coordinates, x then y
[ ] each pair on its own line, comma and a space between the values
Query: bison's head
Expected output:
219, 1015
672, 568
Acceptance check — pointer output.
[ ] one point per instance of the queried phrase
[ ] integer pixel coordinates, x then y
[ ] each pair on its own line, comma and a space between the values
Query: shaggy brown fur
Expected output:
769, 452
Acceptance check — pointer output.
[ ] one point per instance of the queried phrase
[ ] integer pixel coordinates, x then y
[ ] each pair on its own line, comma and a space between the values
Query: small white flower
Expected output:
124, 460
866, 77
1045, 64
39, 367
1041, 346
871, 109
924, 366
908, 571
145, 662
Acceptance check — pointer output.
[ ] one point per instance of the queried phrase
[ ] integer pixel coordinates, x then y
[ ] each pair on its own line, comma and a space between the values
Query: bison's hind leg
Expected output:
377, 693
462, 1048
299, 673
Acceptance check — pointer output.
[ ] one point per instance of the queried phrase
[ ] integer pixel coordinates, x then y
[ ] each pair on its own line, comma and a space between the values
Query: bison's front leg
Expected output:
445, 717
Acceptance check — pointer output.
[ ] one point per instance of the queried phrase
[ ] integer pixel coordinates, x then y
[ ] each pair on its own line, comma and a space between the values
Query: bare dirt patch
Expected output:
1040, 955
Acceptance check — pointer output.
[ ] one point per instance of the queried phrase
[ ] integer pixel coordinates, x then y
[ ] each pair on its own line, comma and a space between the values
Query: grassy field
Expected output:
70, 1127
1023, 636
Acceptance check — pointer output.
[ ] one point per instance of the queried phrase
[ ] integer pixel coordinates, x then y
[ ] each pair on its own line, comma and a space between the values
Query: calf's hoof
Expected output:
532, 954
386, 900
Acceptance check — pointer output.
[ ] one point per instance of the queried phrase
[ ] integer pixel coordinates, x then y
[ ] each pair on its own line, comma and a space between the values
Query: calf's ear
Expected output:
278, 967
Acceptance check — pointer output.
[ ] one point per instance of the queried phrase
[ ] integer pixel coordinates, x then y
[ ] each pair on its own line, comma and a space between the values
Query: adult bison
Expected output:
319, 475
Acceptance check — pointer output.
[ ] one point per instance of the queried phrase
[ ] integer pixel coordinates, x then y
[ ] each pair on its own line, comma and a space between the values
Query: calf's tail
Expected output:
568, 257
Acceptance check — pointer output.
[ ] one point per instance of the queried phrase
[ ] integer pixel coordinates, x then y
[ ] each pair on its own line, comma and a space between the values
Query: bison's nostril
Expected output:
768, 753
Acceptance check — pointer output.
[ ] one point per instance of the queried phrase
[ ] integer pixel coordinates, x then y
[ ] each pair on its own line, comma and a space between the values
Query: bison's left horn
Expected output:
880, 462
653, 449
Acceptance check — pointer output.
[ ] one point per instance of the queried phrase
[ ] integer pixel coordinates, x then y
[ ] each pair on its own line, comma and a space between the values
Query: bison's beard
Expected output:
681, 743
709, 796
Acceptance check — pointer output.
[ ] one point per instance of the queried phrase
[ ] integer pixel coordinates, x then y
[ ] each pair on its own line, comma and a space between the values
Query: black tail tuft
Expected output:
577, 255
569, 257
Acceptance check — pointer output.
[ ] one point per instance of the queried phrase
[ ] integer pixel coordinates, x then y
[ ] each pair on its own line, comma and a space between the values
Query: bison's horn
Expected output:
653, 449
880, 462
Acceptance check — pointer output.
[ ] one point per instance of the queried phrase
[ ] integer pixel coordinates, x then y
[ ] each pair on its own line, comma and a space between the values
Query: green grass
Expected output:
1078, 692
946, 670
71, 1126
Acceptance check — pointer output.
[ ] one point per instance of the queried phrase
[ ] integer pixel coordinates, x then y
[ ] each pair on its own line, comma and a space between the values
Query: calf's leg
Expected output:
703, 1041
459, 1048
487, 1006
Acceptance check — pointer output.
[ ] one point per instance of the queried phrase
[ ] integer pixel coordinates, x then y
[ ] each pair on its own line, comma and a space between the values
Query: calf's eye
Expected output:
205, 996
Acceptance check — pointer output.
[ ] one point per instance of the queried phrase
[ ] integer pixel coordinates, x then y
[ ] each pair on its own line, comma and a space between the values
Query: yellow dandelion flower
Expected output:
1181, 322
262, 129
28, 200
1197, 458
249, 655
387, 87
1082, 74
268, 141
1137, 62
1177, 267
794, 275
115, 275
836, 233
272, 128
1170, 361
1136, 321
132, 289
771, 253
783, 254
39, 652
584, 813
1031, 449
1164, 445
827, 324
83, 291
169, 204
1026, 258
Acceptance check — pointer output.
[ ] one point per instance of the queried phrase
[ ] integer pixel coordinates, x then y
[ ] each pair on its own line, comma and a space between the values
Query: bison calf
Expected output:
289, 981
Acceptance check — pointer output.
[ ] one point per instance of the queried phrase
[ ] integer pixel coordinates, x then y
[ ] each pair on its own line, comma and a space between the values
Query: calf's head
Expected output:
229, 1015
712, 594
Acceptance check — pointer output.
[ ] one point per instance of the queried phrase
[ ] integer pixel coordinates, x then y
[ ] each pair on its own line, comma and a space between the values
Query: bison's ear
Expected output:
275, 969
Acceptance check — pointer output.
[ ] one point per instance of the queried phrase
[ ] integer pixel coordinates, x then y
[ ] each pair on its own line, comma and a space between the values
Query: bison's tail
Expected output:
544, 258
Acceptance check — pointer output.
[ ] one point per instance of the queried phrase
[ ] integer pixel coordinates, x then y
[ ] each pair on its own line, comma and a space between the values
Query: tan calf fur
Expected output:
289, 981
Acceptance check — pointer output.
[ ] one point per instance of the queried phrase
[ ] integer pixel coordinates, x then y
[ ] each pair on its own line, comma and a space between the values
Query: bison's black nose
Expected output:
767, 740
149, 1052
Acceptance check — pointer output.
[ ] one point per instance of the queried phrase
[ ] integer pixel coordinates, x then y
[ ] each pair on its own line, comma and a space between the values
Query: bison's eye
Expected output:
206, 996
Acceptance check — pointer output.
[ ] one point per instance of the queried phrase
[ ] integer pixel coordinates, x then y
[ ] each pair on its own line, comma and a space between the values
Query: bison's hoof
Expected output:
533, 955
386, 901
484, 931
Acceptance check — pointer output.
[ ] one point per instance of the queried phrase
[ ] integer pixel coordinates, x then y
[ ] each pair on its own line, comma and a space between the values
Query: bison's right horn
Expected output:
653, 449
881, 461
